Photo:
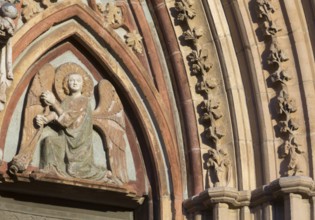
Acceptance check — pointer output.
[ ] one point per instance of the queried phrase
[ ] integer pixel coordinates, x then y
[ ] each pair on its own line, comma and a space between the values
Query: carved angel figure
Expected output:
70, 153
8, 12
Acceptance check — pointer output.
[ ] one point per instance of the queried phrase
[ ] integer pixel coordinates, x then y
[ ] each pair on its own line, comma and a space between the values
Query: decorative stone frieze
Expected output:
279, 76
264, 11
217, 162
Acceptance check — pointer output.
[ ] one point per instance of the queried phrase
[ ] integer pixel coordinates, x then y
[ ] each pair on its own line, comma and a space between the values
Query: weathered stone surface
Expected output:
217, 103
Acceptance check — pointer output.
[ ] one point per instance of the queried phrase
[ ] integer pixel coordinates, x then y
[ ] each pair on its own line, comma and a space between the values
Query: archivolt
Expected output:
31, 42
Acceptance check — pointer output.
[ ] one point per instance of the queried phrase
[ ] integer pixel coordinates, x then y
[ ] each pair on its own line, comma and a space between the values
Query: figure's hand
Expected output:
41, 120
48, 97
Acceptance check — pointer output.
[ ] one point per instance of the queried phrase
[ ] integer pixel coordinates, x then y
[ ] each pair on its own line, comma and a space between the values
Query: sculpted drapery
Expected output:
61, 100
71, 152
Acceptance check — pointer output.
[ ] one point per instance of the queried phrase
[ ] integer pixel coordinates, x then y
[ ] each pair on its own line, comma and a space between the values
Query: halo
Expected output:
68, 68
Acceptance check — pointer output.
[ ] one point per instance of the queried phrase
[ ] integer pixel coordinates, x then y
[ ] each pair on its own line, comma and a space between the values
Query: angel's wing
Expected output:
109, 118
30, 134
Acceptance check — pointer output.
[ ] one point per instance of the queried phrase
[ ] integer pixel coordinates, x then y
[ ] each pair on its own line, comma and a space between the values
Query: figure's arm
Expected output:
43, 120
56, 106
49, 98
51, 116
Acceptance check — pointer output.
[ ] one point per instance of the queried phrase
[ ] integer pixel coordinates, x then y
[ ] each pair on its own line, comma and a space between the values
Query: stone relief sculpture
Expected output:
112, 12
133, 40
74, 143
30, 8
8, 12
207, 86
117, 16
218, 167
62, 100
290, 150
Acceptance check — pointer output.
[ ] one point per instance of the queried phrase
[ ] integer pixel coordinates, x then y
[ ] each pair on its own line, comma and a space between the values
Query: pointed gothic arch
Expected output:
76, 21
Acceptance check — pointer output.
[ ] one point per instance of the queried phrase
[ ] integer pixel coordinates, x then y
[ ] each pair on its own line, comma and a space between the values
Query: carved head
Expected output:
9, 10
62, 86
75, 82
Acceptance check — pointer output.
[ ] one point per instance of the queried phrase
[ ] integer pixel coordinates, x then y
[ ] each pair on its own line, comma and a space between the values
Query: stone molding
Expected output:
281, 187
185, 98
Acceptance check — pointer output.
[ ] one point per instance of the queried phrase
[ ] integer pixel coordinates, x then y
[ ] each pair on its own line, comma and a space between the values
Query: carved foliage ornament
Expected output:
112, 13
193, 34
33, 7
265, 10
185, 10
218, 162
290, 149
133, 40
68, 153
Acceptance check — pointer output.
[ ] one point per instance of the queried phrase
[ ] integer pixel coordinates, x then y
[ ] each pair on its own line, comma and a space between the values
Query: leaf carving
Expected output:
133, 40
30, 9
33, 7
200, 61
185, 10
